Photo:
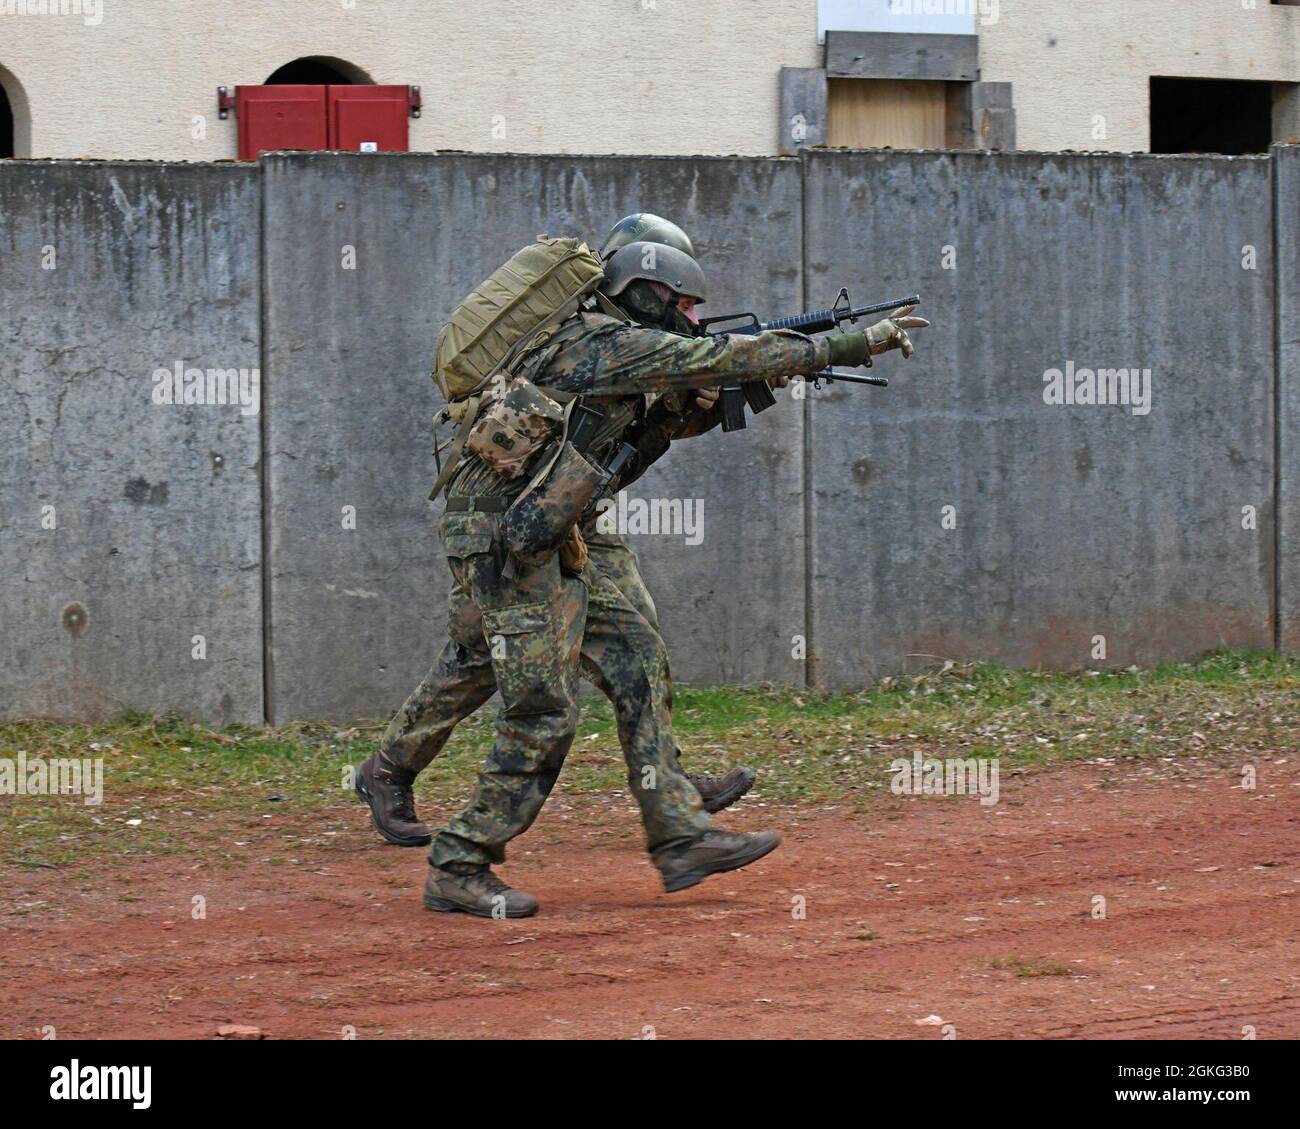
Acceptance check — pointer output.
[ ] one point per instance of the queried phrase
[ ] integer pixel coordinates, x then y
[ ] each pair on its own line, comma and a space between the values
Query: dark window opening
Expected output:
6, 125
318, 71
1211, 115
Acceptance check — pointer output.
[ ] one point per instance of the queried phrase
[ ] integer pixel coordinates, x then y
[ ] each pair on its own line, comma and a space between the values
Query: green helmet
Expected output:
642, 227
632, 269
654, 262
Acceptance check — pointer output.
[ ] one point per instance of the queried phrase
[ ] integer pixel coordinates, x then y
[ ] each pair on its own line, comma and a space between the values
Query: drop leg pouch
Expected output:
540, 519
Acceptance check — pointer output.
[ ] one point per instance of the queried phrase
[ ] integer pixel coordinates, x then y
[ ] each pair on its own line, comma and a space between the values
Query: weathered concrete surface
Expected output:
981, 115
359, 614
1071, 521
156, 508
1286, 185
906, 55
803, 108
732, 606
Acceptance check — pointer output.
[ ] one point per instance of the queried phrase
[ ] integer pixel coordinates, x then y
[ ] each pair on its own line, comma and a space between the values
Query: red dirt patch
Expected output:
928, 907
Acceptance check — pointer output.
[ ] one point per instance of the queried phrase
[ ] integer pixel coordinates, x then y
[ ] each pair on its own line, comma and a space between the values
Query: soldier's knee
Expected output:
654, 657
529, 662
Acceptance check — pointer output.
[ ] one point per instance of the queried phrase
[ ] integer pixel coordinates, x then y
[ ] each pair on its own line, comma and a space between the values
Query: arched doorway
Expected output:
319, 70
6, 125
15, 122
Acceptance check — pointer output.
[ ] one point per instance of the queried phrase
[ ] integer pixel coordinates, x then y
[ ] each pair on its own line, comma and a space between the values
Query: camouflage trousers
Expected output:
529, 635
461, 682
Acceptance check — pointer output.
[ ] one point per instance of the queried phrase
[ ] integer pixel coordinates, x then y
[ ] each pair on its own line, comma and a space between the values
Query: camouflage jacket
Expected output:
636, 373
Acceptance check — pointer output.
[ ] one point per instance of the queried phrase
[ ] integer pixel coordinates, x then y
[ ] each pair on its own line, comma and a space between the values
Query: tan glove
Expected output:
573, 553
892, 332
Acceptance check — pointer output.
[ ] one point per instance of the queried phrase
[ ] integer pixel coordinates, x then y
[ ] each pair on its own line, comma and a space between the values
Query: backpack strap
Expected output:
458, 441
608, 307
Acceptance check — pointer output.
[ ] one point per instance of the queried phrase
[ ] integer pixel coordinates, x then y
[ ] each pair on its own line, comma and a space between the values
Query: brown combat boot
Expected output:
482, 893
720, 792
387, 789
712, 853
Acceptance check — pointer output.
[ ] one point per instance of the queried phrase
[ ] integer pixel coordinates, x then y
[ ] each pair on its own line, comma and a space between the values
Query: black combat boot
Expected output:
387, 789
481, 893
720, 792
712, 853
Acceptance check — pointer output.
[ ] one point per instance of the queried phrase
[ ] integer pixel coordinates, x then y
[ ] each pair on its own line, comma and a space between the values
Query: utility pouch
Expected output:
516, 427
538, 523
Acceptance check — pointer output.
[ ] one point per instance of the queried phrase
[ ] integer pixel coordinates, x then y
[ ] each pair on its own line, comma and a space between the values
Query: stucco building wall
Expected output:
611, 76
138, 78
1081, 72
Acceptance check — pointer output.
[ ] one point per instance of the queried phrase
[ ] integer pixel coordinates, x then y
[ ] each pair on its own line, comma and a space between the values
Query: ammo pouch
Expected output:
541, 518
510, 432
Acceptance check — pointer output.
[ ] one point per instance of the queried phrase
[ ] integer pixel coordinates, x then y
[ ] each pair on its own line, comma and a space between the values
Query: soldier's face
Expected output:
685, 302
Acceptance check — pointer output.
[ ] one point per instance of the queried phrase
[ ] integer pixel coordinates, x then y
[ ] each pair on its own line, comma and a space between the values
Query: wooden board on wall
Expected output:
864, 113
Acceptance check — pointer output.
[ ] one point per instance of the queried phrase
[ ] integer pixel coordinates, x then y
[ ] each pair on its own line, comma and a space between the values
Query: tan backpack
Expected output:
501, 319
535, 289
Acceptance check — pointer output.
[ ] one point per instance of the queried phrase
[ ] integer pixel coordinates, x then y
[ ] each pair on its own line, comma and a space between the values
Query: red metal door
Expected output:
281, 117
369, 118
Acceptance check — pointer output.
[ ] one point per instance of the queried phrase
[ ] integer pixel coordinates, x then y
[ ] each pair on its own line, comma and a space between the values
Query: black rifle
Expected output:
756, 393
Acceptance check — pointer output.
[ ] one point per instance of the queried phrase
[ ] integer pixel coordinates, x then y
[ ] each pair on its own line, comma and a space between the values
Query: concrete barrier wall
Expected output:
1158, 532
1286, 212
959, 515
127, 527
364, 261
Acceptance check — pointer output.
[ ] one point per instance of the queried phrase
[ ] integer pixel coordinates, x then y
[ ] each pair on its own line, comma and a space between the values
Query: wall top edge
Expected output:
120, 162
821, 153
817, 153
297, 155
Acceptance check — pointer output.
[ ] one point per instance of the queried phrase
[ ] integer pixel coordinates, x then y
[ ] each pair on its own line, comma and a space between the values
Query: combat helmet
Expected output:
629, 275
654, 262
643, 227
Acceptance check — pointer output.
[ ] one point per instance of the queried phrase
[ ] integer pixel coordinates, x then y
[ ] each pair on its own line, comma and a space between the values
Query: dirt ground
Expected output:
926, 918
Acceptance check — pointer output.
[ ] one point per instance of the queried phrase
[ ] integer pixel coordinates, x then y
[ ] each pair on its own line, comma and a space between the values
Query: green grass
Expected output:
186, 782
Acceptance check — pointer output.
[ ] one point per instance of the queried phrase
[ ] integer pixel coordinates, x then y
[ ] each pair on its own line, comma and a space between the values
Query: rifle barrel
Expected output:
881, 307
824, 320
849, 377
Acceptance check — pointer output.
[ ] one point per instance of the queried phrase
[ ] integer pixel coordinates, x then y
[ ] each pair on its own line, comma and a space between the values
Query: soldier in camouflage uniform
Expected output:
457, 686
538, 622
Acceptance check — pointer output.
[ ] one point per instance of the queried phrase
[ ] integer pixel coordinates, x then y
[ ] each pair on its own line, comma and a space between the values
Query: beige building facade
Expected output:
139, 78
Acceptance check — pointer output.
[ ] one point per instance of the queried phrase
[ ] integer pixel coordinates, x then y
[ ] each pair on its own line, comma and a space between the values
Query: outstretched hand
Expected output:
892, 332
